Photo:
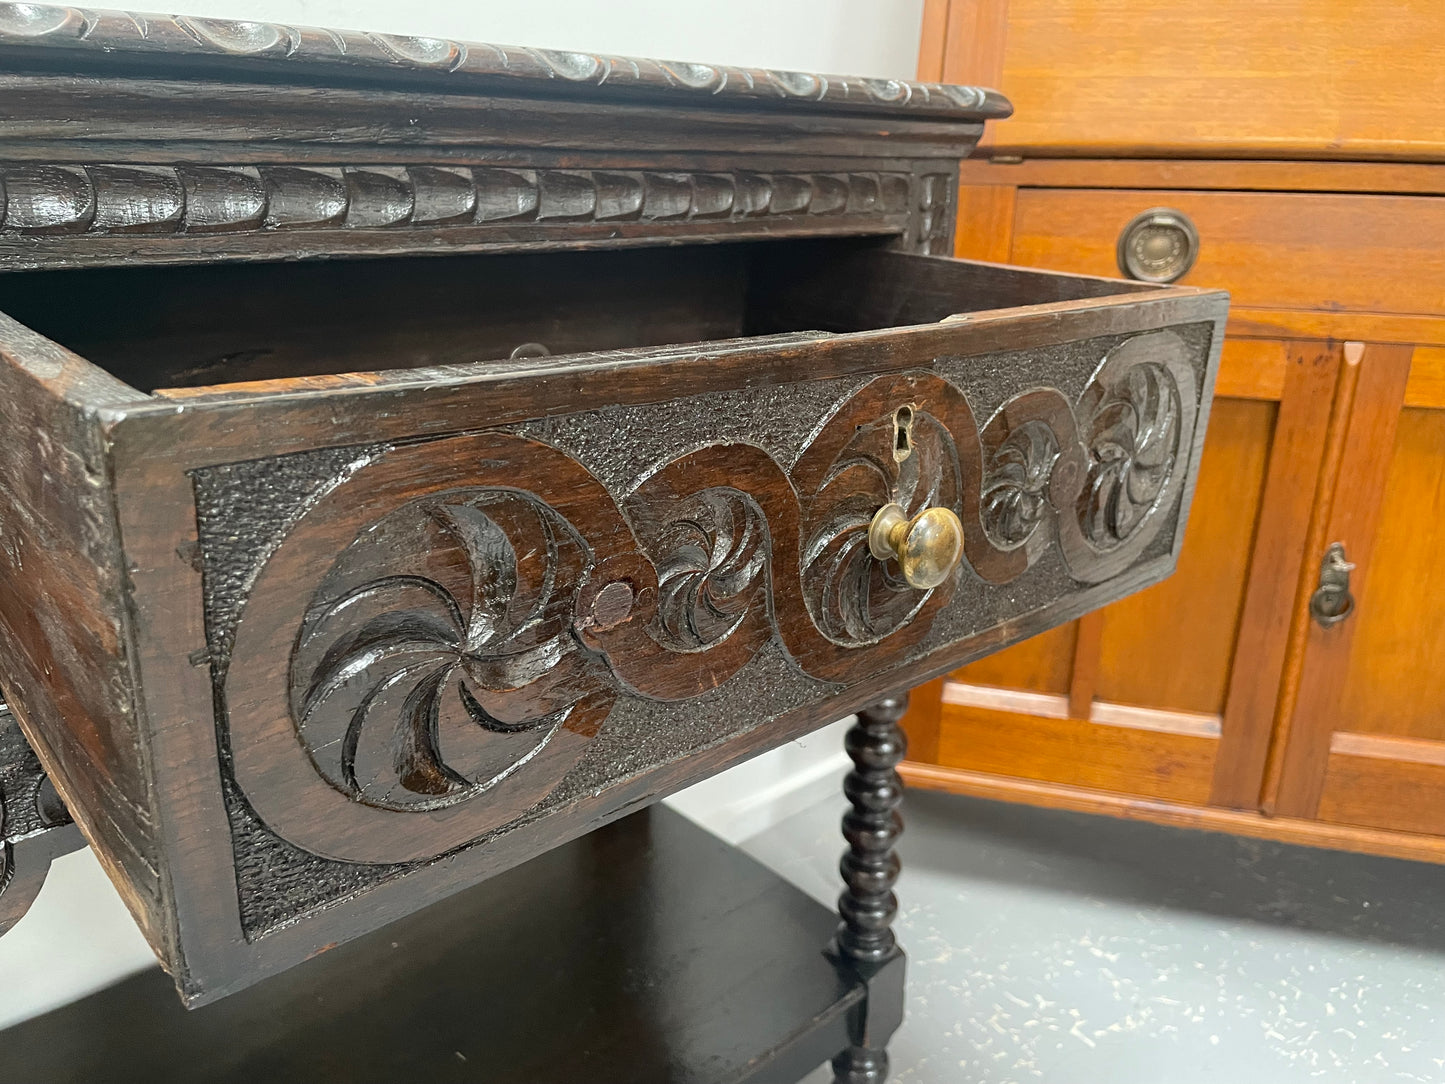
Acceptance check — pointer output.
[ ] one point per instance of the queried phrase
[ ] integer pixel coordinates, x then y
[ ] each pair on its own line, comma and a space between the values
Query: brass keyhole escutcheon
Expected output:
902, 433
1332, 601
927, 547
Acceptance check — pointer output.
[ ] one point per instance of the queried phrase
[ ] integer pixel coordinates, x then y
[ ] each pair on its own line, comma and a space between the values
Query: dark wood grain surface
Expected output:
63, 651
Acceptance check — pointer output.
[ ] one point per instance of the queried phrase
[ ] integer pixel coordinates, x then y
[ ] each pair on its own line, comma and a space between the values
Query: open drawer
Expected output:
328, 589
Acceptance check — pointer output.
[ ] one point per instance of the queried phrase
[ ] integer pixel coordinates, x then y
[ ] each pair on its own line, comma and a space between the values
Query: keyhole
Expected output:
902, 433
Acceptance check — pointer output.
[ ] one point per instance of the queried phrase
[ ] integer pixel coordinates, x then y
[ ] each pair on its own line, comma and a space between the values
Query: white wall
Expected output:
78, 936
843, 37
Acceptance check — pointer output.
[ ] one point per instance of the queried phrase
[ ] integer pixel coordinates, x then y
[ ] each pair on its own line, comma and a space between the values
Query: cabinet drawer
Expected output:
1231, 79
304, 646
1269, 249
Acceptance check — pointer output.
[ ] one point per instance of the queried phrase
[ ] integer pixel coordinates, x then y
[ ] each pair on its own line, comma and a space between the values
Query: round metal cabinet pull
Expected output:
927, 547
1159, 245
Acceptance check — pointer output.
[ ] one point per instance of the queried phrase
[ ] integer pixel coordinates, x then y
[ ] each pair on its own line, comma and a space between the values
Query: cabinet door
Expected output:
1169, 694
1362, 738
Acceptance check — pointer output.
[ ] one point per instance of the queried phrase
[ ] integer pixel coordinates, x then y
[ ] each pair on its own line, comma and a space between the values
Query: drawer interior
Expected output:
180, 326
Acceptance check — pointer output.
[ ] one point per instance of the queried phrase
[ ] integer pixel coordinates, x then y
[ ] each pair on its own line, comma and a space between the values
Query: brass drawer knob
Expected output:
927, 547
1159, 245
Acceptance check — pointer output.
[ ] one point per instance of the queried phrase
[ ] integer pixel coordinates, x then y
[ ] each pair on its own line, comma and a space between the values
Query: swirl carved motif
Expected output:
857, 600
1015, 498
1133, 434
1136, 418
470, 609
713, 563
424, 687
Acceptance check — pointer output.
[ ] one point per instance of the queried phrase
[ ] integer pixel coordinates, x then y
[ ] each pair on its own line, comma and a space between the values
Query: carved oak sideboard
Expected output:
644, 426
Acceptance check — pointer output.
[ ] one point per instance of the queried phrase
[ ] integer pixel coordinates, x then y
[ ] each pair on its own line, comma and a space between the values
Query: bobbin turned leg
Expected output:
865, 941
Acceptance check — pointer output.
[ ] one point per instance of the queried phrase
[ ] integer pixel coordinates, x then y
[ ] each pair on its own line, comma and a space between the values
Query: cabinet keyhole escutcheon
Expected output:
1332, 602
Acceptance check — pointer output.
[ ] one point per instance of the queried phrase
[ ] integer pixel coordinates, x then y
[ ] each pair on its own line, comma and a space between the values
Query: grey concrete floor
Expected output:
1047, 946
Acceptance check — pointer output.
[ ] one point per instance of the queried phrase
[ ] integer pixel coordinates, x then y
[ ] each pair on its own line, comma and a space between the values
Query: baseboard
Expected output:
1306, 833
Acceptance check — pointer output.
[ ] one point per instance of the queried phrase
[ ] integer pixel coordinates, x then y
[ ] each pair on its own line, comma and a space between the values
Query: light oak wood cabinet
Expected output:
1304, 147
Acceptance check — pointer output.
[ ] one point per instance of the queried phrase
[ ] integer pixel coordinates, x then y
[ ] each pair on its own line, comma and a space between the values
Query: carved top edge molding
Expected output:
310, 52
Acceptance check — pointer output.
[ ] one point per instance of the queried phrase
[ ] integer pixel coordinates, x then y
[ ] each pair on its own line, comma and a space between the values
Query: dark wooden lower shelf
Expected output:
648, 952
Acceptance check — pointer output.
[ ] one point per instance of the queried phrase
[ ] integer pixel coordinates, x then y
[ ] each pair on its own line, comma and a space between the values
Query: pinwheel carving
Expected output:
420, 688
1133, 435
1015, 496
714, 567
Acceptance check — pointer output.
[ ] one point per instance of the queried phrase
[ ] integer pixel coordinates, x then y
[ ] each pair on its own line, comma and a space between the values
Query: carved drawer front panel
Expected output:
455, 620
392, 632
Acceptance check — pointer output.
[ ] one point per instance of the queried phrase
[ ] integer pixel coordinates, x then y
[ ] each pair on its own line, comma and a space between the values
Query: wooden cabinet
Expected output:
1214, 698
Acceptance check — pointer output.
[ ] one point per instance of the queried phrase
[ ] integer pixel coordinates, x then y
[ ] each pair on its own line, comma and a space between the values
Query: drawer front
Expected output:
1227, 79
448, 626
1269, 249
395, 632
